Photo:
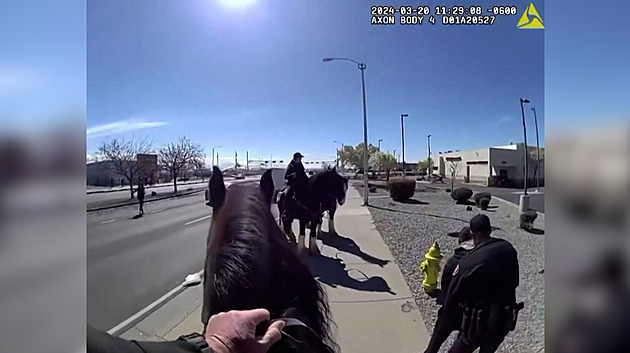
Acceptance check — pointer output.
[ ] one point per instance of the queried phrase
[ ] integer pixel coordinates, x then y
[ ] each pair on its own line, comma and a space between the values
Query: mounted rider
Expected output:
296, 177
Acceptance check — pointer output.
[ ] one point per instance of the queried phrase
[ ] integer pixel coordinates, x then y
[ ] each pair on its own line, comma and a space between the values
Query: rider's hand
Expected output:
235, 332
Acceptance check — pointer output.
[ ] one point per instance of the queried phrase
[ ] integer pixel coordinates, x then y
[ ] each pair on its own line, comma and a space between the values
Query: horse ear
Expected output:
217, 189
267, 186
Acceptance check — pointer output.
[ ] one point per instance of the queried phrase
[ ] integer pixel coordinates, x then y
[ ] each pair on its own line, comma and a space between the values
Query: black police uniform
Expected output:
444, 326
296, 178
482, 296
101, 342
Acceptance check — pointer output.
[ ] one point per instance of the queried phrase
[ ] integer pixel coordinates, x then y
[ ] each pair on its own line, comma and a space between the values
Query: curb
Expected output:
540, 214
101, 208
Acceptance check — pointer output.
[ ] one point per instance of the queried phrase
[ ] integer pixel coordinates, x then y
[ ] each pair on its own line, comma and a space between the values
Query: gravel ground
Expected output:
409, 229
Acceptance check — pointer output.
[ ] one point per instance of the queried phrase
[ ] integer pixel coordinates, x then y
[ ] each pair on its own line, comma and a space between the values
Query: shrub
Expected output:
153, 193
481, 195
527, 219
372, 188
448, 190
461, 195
483, 203
468, 208
402, 189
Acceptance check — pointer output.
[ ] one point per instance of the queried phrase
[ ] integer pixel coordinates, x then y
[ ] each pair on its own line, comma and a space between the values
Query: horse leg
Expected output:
286, 224
312, 247
331, 222
302, 243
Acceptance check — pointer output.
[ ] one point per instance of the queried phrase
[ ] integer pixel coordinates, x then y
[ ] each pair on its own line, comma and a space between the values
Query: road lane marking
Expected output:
197, 220
110, 221
156, 211
151, 308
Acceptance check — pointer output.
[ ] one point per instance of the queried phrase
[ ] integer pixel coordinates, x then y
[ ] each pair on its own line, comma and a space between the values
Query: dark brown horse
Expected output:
250, 264
323, 192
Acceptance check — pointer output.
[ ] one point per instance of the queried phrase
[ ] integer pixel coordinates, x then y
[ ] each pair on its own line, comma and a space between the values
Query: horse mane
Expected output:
257, 268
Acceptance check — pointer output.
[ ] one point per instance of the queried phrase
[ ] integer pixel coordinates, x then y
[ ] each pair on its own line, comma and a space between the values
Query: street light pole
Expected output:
217, 147
361, 67
537, 153
379, 144
525, 145
339, 159
402, 131
524, 199
429, 159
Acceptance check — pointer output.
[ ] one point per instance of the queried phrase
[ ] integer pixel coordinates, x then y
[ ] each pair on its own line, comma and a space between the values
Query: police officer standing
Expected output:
482, 292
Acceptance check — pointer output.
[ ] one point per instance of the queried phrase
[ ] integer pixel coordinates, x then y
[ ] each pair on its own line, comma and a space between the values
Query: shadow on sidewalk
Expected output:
348, 245
333, 272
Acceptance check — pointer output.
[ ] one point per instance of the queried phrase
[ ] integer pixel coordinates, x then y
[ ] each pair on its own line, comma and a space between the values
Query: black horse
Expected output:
250, 264
323, 192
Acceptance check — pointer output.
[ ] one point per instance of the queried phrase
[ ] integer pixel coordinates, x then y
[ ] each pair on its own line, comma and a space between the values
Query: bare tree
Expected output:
177, 157
122, 156
454, 168
198, 166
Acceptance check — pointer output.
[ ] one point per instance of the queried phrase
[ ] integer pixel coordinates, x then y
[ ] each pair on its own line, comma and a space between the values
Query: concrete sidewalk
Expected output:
370, 301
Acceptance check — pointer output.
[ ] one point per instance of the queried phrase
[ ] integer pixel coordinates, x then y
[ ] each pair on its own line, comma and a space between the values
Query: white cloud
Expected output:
505, 119
122, 126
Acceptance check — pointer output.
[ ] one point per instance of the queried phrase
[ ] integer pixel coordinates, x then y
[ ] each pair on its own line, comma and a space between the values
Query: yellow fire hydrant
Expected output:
430, 267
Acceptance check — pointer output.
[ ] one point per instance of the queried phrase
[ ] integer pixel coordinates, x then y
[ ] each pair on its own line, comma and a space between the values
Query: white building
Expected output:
493, 166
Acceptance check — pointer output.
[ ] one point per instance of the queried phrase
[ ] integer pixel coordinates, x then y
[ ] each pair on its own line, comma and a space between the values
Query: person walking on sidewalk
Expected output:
444, 326
231, 332
140, 196
482, 294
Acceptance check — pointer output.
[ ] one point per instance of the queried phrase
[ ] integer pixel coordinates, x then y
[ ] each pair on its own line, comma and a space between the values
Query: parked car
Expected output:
435, 178
240, 176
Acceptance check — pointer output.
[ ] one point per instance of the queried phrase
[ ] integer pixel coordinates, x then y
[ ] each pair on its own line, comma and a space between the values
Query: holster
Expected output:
479, 323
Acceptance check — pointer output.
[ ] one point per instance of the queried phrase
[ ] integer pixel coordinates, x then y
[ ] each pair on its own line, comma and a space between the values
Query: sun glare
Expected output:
237, 4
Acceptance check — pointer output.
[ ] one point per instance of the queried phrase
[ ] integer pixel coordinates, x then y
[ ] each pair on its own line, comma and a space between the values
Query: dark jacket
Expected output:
295, 172
451, 263
488, 274
140, 192
101, 342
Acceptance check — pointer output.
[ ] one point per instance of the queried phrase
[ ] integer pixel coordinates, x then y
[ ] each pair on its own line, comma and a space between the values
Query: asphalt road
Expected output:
133, 262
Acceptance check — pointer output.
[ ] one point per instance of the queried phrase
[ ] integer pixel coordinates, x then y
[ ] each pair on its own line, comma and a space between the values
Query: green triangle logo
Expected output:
530, 18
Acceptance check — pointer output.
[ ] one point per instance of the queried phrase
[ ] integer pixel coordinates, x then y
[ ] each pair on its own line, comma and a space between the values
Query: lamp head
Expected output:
404, 115
327, 59
524, 100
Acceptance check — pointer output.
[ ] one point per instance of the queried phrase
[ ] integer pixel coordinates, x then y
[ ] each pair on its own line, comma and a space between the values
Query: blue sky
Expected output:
252, 78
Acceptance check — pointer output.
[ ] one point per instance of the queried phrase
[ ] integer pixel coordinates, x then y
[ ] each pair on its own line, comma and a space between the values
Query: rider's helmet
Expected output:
297, 155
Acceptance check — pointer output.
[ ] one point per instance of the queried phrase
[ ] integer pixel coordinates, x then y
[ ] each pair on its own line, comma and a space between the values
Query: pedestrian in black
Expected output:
482, 292
140, 196
444, 326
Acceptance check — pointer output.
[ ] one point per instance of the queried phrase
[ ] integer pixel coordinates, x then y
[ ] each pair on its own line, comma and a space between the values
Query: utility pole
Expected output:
402, 130
429, 172
537, 153
247, 163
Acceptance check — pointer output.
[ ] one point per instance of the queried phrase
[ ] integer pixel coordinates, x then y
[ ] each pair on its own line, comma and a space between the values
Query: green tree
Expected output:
385, 161
353, 156
424, 165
